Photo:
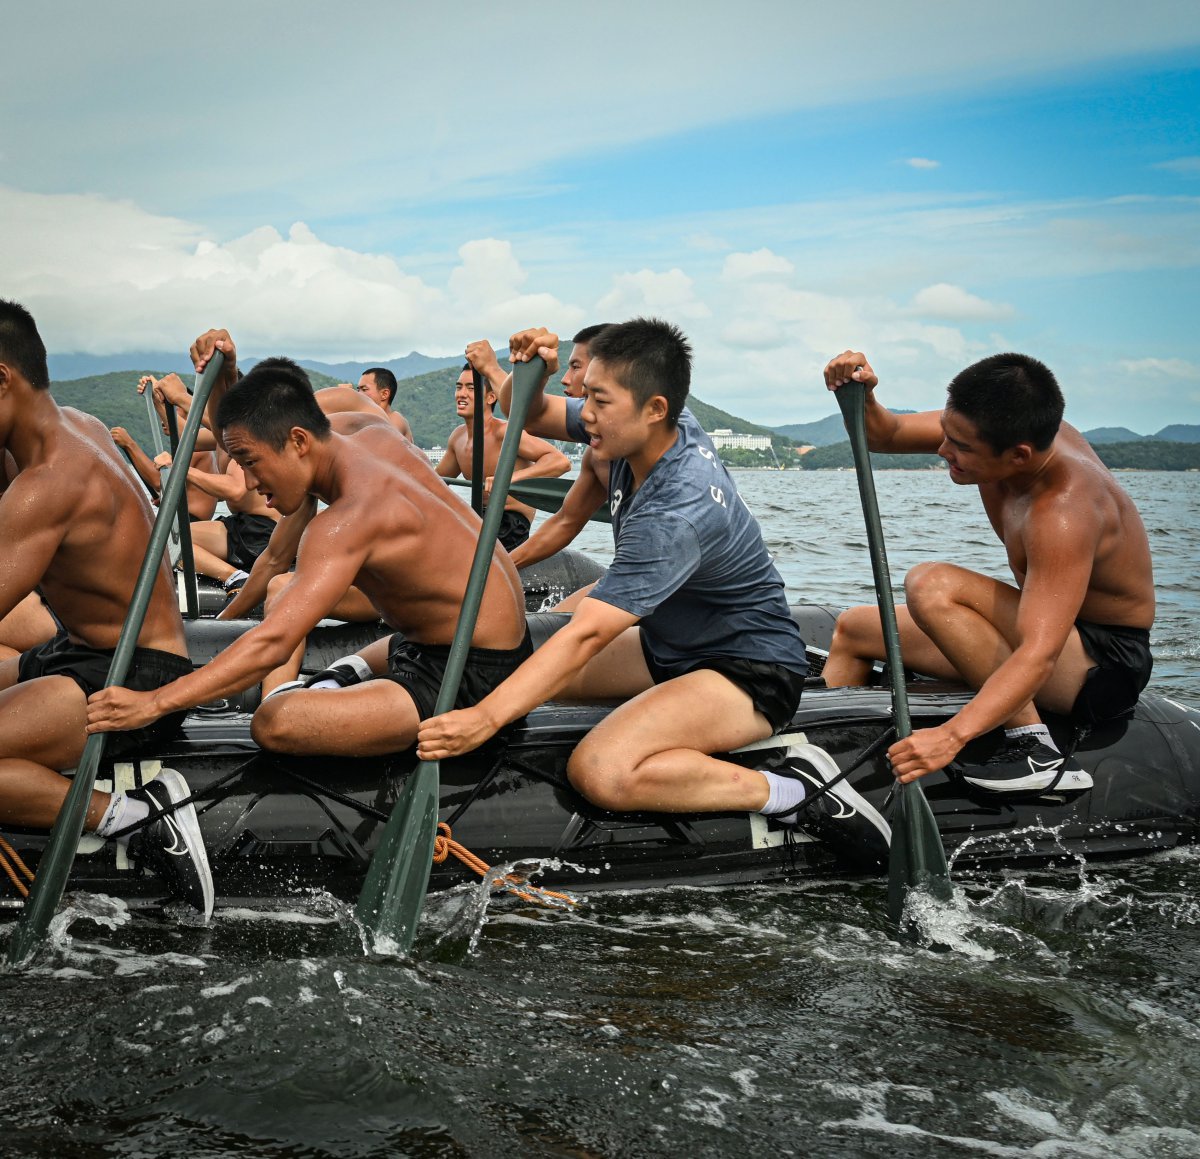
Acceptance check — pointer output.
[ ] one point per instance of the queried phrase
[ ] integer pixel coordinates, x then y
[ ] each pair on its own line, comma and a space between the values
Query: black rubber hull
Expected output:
279, 827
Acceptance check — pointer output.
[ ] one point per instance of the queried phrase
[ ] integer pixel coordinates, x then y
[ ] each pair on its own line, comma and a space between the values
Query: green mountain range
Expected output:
427, 401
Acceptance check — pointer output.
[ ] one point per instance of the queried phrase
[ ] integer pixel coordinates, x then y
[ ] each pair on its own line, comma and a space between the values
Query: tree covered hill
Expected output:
427, 401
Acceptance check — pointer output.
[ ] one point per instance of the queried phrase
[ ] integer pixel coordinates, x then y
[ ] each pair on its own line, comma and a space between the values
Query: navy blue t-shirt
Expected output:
690, 560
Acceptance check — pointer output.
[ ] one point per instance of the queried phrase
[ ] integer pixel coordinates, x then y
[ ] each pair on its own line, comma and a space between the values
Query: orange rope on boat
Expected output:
7, 852
444, 845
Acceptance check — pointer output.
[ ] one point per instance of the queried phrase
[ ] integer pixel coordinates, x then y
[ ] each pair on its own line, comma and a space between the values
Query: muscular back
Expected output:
416, 539
84, 525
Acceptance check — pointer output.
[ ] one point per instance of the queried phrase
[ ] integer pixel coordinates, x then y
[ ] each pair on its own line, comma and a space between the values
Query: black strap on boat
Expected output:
872, 750
157, 811
333, 794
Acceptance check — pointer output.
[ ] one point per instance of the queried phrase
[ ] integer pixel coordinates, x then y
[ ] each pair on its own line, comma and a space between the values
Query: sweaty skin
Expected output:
384, 549
74, 523
1077, 549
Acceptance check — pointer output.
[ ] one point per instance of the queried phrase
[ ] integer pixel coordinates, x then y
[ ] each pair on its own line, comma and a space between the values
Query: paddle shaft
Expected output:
55, 864
477, 417
917, 859
852, 399
544, 494
191, 589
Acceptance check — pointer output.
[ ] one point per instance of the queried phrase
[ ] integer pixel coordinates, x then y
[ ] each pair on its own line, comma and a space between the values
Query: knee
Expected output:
270, 726
606, 782
856, 629
930, 586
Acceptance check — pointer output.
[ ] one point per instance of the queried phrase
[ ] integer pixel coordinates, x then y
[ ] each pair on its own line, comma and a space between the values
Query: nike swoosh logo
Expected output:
1043, 766
178, 846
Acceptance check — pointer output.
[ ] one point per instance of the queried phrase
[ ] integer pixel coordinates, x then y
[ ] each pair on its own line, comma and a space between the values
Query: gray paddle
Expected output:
544, 494
917, 859
55, 865
156, 438
393, 893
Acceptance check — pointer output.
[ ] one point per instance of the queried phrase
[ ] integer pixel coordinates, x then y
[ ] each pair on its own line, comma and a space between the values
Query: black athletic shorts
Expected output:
247, 536
418, 668
1122, 670
773, 689
514, 530
88, 667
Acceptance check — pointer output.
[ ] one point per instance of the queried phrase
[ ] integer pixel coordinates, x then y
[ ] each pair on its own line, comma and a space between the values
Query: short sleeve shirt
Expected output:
690, 561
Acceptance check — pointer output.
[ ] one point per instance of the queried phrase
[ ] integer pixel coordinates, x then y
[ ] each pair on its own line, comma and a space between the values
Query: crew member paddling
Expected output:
1071, 634
71, 520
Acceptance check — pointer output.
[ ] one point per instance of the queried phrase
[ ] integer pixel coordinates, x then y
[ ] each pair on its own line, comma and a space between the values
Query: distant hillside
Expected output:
1180, 433
838, 456
69, 367
1111, 435
409, 366
821, 433
114, 400
427, 401
1151, 454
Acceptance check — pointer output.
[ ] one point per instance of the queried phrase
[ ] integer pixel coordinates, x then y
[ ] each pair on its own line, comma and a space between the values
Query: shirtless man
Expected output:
72, 521
410, 555
536, 459
201, 504
377, 386
1071, 635
225, 548
587, 492
689, 626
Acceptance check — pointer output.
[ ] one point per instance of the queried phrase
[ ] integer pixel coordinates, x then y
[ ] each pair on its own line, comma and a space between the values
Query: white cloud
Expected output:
109, 277
922, 163
946, 301
761, 263
1176, 368
670, 294
1185, 166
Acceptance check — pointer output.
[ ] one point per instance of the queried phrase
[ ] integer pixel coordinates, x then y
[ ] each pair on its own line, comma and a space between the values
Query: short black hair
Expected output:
21, 345
1011, 399
384, 379
589, 332
273, 398
648, 356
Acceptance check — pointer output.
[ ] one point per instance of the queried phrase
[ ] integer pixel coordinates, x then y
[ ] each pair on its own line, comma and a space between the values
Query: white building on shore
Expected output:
723, 438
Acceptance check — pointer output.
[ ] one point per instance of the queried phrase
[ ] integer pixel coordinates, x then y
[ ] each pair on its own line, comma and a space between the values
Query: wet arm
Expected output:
587, 493
887, 433
545, 461
275, 560
325, 570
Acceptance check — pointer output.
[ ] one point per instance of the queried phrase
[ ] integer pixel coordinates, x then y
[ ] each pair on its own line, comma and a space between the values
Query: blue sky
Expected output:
928, 183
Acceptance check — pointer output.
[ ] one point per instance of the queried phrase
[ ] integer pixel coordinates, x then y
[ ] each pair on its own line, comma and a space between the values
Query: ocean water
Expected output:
1064, 1020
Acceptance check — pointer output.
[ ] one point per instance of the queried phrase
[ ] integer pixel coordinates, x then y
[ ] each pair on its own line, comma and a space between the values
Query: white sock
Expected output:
238, 577
122, 811
785, 797
1036, 730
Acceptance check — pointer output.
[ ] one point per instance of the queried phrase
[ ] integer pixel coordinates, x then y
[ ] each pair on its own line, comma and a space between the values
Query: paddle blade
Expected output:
393, 893
918, 858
